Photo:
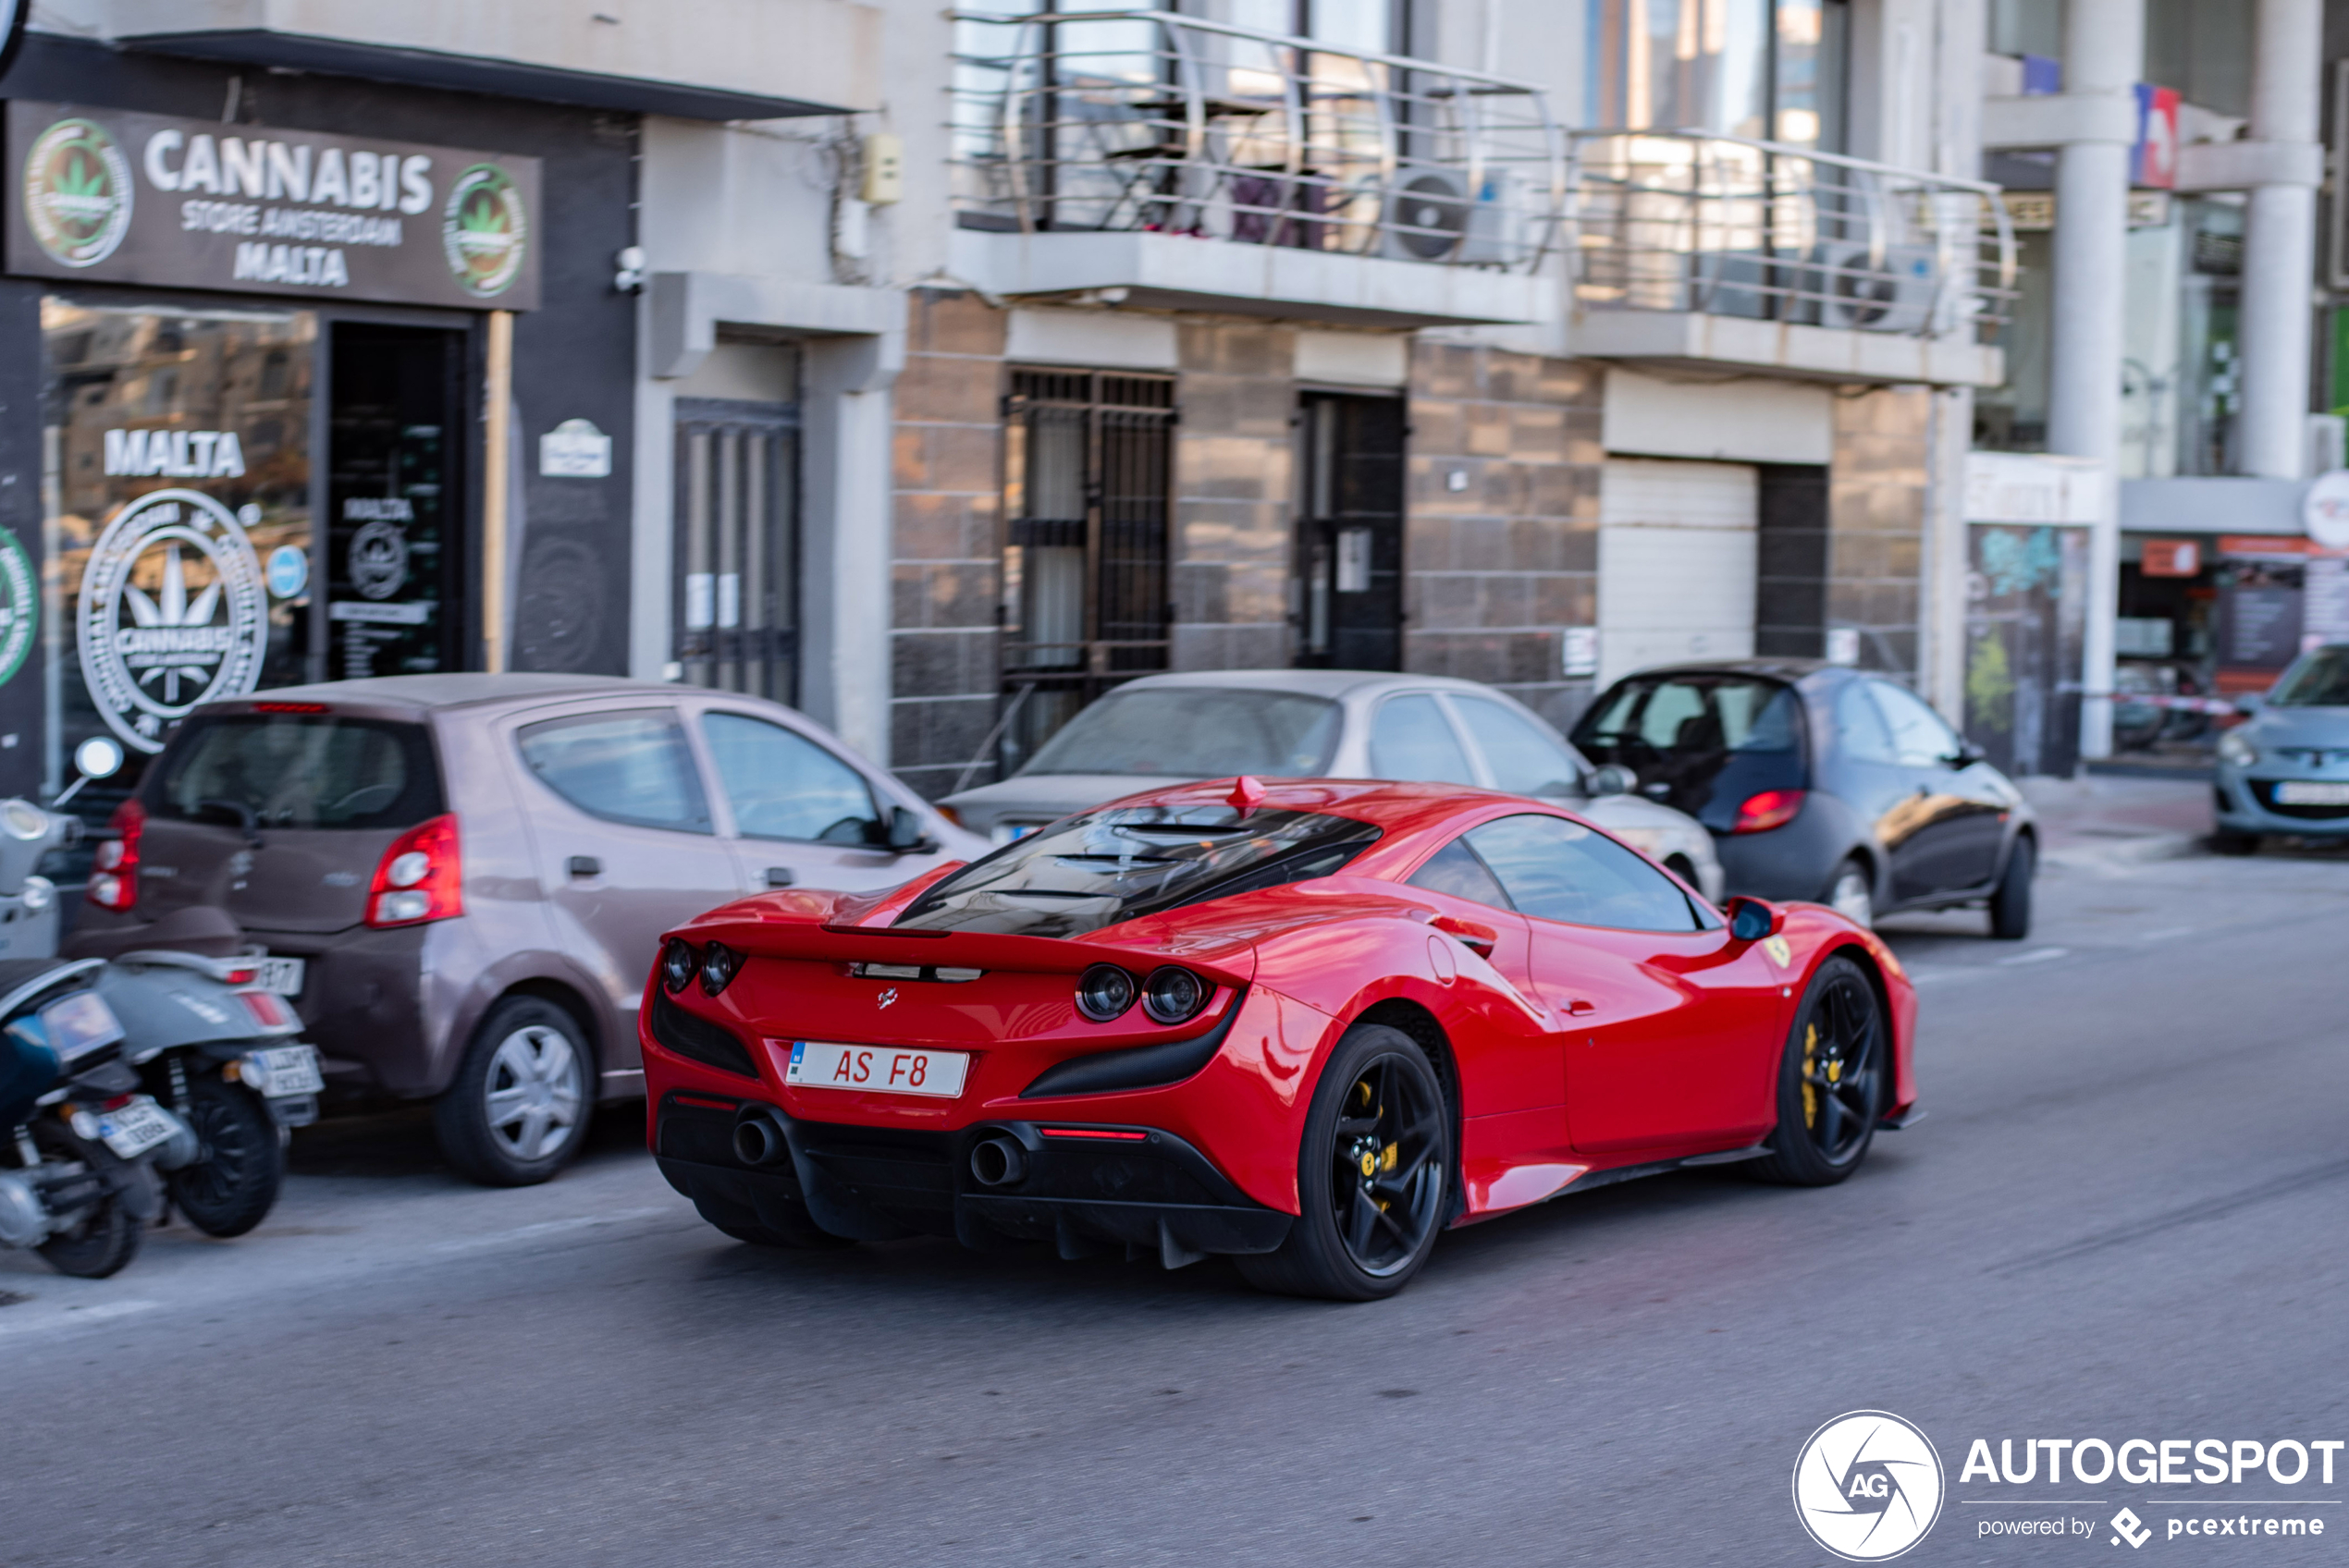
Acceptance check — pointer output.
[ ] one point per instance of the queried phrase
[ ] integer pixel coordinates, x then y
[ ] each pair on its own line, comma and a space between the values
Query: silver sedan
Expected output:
1325, 723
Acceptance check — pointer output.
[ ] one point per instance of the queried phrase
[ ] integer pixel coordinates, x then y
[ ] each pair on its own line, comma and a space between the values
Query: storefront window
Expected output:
177, 495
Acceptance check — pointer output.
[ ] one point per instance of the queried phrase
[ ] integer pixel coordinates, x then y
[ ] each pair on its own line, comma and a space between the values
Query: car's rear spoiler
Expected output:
1228, 961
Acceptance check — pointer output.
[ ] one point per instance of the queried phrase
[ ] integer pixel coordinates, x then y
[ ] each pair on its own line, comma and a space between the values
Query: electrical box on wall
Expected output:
884, 169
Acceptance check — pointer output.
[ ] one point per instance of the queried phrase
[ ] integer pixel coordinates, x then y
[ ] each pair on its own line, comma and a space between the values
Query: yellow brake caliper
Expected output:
1810, 1065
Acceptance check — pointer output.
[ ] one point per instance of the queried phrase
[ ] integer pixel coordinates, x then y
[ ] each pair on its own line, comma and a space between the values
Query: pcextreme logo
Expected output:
1867, 1486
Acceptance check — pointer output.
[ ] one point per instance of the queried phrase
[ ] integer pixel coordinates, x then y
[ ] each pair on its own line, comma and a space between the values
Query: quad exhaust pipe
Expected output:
759, 1139
998, 1161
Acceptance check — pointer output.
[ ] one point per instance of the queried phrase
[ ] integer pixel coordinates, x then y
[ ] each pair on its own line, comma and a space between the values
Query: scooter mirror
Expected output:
98, 757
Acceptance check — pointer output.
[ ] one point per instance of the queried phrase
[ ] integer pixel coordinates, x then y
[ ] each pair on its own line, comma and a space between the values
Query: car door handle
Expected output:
1478, 940
586, 866
781, 876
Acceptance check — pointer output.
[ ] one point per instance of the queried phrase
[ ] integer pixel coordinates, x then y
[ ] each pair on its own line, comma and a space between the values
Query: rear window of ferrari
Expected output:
1108, 866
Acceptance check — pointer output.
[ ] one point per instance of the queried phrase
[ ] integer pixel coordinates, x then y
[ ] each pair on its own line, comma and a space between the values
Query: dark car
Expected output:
1819, 781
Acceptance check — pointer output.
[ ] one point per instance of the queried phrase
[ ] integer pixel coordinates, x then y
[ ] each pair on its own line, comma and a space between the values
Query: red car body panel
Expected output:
1568, 1050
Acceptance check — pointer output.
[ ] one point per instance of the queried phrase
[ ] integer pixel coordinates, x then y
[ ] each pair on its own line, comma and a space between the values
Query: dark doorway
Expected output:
1793, 561
1087, 462
395, 501
1350, 539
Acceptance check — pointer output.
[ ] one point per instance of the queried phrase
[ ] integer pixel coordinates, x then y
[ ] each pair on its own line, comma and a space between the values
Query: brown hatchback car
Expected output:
473, 870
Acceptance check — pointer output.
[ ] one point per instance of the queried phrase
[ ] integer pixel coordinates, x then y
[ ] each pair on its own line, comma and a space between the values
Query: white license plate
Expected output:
282, 975
2302, 792
135, 1128
288, 1070
888, 1070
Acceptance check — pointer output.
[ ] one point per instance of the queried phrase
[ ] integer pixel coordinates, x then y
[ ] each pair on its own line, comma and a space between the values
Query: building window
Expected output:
1772, 70
734, 583
1085, 554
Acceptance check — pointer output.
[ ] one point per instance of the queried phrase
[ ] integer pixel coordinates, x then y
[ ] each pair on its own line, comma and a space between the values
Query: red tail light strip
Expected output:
1110, 1134
704, 1100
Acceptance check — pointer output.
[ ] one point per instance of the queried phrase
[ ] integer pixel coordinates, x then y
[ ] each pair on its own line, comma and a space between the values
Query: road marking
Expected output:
74, 1316
2036, 955
545, 1227
2167, 933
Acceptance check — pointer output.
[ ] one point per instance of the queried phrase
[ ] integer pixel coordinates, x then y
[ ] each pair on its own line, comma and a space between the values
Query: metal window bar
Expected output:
1723, 225
1086, 549
1143, 120
734, 603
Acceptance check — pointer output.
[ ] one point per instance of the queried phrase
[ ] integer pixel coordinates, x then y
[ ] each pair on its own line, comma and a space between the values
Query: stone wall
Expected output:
1235, 483
1500, 536
1875, 523
947, 550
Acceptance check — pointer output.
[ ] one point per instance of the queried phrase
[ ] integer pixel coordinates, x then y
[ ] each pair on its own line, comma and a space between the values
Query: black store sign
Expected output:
107, 196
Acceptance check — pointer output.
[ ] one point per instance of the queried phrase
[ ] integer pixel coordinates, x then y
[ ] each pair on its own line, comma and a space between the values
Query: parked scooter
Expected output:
78, 1179
209, 1041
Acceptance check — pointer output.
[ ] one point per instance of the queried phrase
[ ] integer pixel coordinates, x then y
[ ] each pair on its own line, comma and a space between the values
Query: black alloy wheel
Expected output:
1372, 1177
1831, 1081
232, 1185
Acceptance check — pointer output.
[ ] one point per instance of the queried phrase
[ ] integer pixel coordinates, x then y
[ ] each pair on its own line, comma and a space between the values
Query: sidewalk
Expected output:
2097, 818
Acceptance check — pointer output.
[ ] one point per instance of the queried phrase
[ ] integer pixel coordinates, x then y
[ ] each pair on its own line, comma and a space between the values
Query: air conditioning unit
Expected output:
1505, 226
1427, 215
1896, 292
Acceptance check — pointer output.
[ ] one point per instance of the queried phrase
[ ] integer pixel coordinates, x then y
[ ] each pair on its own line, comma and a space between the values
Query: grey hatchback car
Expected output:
464, 877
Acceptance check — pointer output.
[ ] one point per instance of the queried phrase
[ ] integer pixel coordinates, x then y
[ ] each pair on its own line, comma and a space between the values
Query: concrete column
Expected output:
2280, 240
2103, 51
845, 533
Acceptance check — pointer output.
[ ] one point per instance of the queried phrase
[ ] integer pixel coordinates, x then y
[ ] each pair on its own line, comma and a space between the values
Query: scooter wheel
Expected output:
232, 1185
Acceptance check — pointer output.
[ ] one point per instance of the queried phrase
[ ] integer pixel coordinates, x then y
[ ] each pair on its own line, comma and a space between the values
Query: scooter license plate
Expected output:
132, 1130
282, 975
288, 1070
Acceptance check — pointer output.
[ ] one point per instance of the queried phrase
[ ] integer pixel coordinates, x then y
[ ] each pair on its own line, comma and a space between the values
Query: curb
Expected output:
2135, 850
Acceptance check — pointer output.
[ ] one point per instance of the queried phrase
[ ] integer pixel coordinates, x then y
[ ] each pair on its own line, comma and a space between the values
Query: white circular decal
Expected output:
380, 559
173, 613
2324, 511
1867, 1486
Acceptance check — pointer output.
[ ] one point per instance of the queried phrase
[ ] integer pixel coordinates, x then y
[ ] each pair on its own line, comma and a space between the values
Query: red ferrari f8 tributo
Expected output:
1308, 1024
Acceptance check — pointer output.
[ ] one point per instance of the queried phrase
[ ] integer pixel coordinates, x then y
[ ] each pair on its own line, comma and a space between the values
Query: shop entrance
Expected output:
395, 496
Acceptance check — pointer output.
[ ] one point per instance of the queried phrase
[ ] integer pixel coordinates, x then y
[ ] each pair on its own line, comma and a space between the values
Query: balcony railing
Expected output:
1144, 121
1719, 226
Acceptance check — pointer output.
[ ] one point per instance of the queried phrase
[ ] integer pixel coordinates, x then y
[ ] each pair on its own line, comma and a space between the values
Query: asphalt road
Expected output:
2120, 1218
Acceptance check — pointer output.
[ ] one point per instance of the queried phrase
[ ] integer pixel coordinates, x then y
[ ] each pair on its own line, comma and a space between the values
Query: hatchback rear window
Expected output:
1195, 732
1702, 740
1108, 866
297, 770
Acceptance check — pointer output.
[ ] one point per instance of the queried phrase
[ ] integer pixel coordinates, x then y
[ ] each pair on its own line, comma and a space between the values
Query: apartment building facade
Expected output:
936, 371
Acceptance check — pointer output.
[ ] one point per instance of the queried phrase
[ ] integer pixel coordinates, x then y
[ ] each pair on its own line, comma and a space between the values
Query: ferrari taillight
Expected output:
1768, 809
113, 871
421, 877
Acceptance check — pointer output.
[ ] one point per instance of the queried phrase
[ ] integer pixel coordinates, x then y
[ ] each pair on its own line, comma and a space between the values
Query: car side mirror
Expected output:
2250, 702
1966, 756
1750, 919
906, 835
1613, 780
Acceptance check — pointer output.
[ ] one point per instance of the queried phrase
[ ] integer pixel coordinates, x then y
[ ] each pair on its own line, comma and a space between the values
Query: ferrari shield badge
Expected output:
1780, 953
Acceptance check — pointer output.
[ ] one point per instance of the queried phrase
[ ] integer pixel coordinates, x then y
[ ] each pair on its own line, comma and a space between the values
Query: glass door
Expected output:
394, 495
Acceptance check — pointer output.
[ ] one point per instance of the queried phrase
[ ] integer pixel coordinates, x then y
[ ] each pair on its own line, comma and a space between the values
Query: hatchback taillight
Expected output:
113, 871
422, 877
1770, 808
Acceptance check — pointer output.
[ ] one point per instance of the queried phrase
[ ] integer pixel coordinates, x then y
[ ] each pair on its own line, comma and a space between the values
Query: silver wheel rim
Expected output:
1850, 898
532, 1093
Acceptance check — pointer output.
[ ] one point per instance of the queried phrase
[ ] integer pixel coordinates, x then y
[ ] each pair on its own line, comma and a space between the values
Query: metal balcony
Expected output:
1198, 164
1716, 250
